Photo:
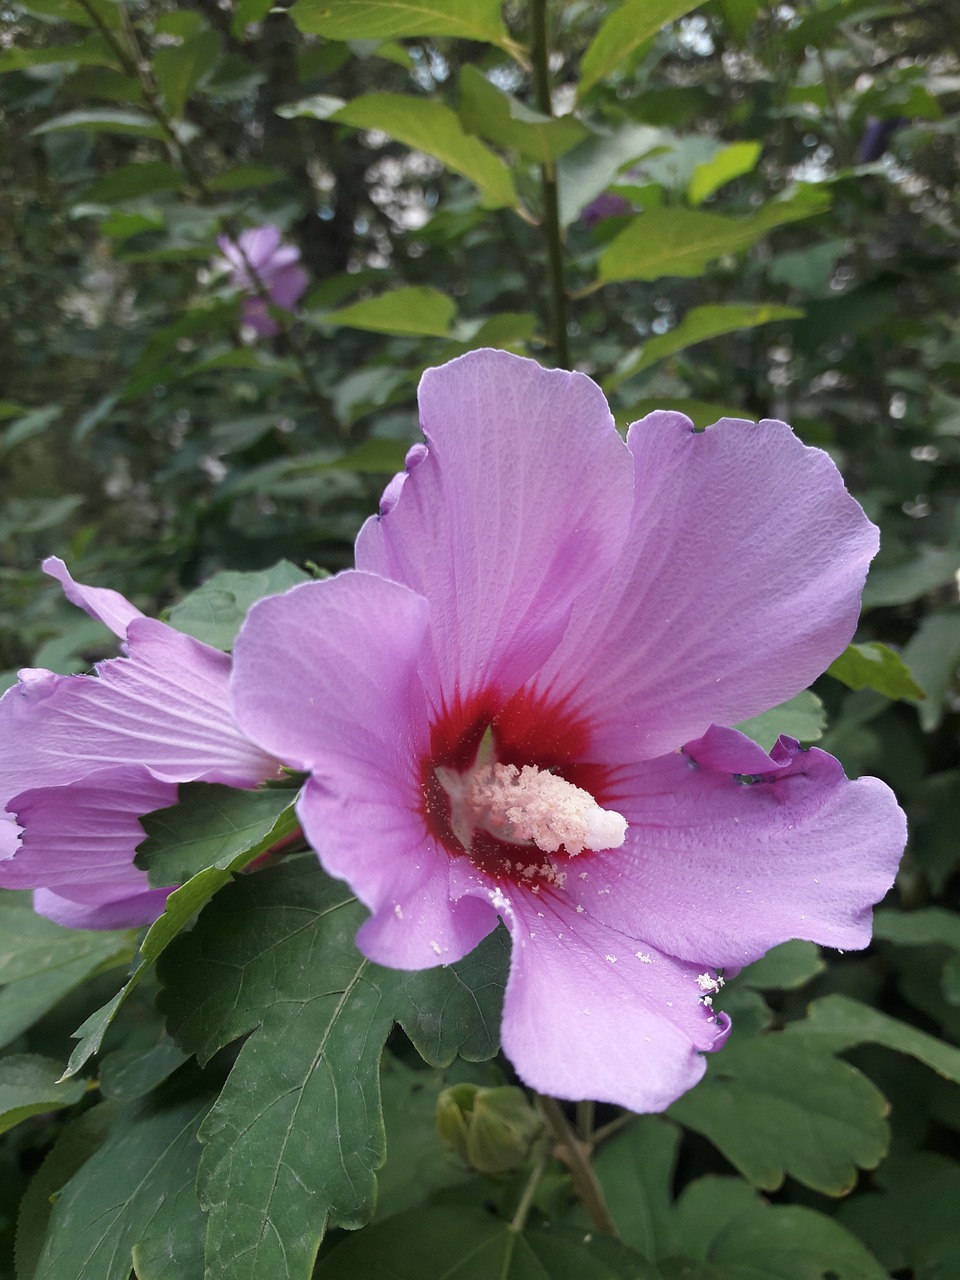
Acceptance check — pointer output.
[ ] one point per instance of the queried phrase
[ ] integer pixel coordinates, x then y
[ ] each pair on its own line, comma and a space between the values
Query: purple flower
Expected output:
510, 709
606, 205
260, 252
83, 758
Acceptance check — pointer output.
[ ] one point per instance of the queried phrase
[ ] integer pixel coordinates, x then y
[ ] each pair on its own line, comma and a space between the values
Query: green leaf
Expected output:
903, 583
212, 826
29, 1086
78, 1139
132, 180
801, 717
636, 1172
835, 1023
464, 1244
40, 962
133, 1203
275, 952
29, 425
431, 127
930, 926
933, 655
127, 1074
417, 309
681, 242
776, 1106
784, 968
874, 666
587, 170
387, 19
732, 162
181, 68
911, 1224
247, 12
93, 52
215, 612
493, 114
102, 120
623, 31
699, 324
244, 176
735, 1236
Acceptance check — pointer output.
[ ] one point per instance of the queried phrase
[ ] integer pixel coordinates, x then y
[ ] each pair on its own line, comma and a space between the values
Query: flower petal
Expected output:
521, 503
108, 607
85, 833
721, 867
740, 583
166, 707
345, 701
124, 913
286, 285
590, 1013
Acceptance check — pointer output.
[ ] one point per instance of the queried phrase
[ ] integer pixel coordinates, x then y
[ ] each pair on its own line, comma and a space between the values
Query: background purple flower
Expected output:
82, 758
545, 627
261, 252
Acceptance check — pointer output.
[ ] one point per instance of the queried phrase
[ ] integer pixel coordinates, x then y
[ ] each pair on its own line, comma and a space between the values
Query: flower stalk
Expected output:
548, 185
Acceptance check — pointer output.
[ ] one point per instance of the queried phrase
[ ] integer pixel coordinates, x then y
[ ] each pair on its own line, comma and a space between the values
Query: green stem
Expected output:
519, 1220
575, 1154
548, 183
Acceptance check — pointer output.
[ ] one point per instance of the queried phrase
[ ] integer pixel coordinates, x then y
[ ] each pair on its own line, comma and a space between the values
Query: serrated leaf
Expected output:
733, 1235
874, 666
624, 31
388, 19
497, 116
776, 1106
464, 1244
30, 1085
102, 120
212, 826
699, 324
40, 962
801, 717
416, 309
835, 1023
784, 968
433, 128
732, 162
274, 955
682, 242
133, 1202
215, 612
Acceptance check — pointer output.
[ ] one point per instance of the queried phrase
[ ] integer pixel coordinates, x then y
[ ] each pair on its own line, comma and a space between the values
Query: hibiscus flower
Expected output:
83, 758
260, 252
518, 706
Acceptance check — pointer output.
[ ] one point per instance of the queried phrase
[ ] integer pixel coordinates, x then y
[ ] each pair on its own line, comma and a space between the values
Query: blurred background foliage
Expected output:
752, 211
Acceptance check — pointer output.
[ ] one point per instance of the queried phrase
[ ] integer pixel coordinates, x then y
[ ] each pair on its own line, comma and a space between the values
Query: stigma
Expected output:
528, 806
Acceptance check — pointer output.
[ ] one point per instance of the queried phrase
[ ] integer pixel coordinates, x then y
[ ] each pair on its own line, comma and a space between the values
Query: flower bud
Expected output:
491, 1130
